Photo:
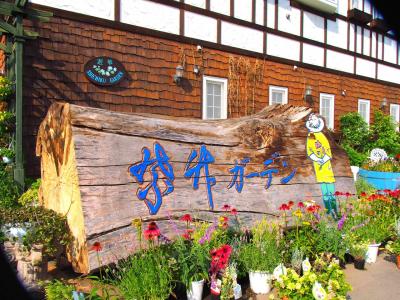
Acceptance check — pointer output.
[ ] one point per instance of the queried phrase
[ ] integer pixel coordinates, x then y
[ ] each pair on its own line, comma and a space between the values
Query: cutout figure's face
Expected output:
315, 123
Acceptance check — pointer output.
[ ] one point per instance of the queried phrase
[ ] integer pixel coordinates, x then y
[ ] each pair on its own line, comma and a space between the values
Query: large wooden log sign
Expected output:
103, 169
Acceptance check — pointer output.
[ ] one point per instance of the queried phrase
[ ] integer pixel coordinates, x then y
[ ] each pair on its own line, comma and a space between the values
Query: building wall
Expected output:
276, 28
54, 66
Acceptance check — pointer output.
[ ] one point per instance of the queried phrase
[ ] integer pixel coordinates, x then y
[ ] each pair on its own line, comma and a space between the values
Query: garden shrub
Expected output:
358, 140
31, 197
383, 134
9, 191
146, 275
57, 290
43, 226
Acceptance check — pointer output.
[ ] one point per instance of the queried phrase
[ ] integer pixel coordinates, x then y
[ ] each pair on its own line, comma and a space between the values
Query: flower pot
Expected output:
7, 160
359, 264
260, 282
381, 180
196, 290
372, 253
398, 261
348, 258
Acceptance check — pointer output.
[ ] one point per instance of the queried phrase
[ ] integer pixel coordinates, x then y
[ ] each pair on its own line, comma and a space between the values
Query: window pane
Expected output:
210, 100
217, 112
210, 88
210, 112
217, 100
217, 89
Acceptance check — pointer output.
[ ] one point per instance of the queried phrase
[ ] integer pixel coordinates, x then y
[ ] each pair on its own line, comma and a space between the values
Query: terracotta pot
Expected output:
398, 261
359, 264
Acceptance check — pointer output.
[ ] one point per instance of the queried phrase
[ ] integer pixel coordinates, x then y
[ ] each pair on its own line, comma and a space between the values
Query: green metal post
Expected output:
19, 174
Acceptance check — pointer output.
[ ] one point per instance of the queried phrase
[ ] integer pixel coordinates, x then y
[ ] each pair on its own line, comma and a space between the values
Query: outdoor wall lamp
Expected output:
383, 104
178, 75
196, 70
308, 95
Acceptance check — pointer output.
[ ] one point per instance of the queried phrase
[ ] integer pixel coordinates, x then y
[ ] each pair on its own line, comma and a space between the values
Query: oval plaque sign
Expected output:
104, 70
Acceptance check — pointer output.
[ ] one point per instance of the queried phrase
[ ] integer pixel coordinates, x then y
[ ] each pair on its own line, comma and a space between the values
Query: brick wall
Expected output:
54, 65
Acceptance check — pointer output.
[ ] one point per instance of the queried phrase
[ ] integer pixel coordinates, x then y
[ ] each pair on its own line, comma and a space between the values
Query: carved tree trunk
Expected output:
87, 153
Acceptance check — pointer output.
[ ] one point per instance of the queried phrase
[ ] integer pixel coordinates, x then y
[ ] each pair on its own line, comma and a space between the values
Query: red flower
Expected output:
226, 250
284, 207
97, 247
300, 205
226, 207
234, 211
188, 234
186, 218
313, 208
290, 204
338, 193
348, 194
363, 194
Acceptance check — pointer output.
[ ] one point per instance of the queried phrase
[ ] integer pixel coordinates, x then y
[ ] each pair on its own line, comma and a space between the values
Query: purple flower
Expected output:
341, 222
208, 233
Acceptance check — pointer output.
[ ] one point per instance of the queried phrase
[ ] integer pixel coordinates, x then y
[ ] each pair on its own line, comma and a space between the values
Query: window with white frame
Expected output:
278, 95
395, 114
215, 94
327, 108
364, 109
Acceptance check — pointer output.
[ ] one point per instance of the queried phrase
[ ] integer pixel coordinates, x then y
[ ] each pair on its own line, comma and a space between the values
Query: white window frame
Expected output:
331, 120
224, 96
273, 88
364, 101
396, 118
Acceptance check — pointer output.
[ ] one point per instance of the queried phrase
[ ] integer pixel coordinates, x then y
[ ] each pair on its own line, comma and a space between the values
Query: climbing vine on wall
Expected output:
243, 79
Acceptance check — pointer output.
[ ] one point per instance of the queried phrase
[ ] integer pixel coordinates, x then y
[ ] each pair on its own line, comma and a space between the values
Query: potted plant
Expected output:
359, 251
383, 173
394, 248
192, 263
260, 257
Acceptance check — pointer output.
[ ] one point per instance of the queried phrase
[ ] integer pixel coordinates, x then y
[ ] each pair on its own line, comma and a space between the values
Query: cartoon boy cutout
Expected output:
319, 151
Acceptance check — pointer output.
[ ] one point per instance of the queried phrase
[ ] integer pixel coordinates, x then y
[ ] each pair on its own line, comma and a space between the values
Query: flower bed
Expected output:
299, 255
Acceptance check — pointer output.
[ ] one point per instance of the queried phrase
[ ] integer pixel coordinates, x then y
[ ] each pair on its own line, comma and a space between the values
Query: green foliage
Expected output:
44, 227
393, 247
146, 275
193, 260
57, 290
329, 240
358, 140
383, 134
354, 131
303, 239
358, 250
356, 158
9, 191
389, 165
7, 152
30, 197
325, 271
7, 120
262, 253
362, 186
6, 88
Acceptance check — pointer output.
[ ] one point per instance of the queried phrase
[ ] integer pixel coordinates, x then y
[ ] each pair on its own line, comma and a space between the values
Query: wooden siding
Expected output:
54, 72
